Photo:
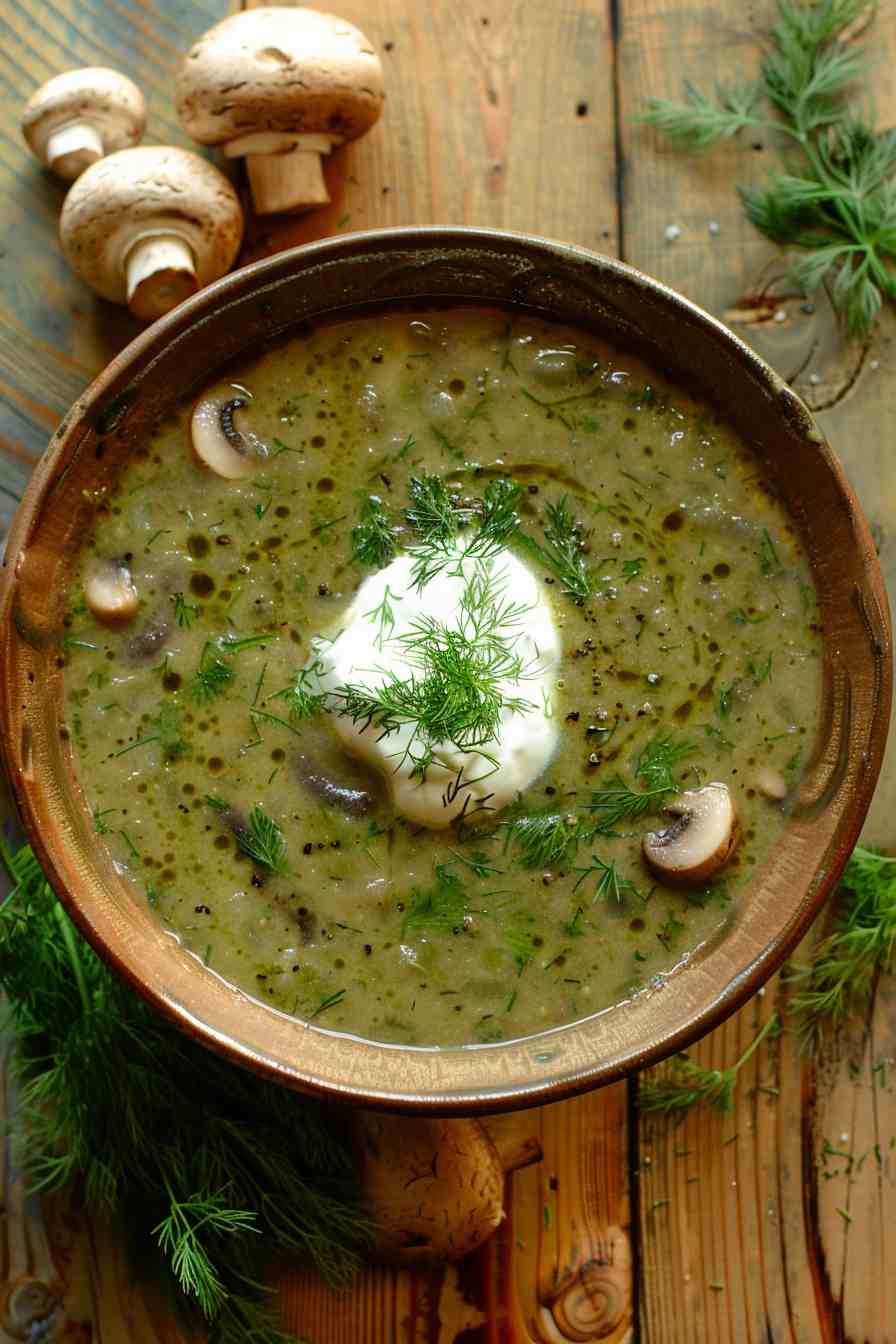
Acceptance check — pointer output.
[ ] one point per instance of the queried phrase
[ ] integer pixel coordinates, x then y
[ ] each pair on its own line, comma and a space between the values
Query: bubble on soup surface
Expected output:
554, 368
440, 406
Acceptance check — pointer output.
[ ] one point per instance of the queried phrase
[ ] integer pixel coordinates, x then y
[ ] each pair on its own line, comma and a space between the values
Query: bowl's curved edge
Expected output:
113, 383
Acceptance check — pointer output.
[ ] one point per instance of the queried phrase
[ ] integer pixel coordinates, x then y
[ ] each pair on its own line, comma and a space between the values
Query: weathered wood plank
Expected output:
759, 1213
498, 113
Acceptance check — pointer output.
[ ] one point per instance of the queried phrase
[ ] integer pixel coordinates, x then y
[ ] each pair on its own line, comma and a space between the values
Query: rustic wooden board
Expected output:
517, 115
751, 1229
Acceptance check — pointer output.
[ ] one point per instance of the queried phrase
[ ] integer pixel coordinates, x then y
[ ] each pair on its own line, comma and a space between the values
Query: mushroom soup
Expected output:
442, 676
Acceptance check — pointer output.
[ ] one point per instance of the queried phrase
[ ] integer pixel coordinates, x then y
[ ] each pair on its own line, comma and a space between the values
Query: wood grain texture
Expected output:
506, 113
752, 1230
498, 113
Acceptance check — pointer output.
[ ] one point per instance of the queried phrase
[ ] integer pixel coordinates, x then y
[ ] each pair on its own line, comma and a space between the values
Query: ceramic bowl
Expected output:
185, 350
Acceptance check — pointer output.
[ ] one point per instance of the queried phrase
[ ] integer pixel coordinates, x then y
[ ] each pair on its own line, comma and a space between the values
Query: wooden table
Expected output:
775, 1224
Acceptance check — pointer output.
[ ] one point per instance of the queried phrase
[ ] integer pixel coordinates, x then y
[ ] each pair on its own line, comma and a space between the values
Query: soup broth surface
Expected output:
275, 856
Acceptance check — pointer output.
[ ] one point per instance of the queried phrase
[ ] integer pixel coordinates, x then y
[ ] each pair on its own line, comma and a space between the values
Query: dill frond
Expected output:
372, 541
686, 1084
223, 1173
561, 553
542, 840
261, 840
860, 946
835, 197
302, 699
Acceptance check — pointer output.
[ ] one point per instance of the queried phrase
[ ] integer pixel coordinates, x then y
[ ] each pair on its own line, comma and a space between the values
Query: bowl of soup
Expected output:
442, 669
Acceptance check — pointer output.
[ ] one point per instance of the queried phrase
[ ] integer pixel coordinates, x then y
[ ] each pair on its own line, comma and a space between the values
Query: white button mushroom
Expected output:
698, 842
78, 117
149, 226
219, 441
110, 593
280, 87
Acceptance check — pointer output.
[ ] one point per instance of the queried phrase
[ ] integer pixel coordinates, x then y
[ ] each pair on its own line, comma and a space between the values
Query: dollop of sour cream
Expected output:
379, 641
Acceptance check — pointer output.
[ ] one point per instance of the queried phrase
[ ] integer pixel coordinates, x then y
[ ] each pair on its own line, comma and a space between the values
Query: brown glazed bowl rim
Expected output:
444, 264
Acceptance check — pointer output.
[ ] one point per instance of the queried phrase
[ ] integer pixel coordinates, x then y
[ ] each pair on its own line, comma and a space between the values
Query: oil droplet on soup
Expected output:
207, 743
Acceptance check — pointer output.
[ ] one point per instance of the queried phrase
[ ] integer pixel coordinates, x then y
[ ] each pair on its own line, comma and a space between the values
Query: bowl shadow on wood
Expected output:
248, 309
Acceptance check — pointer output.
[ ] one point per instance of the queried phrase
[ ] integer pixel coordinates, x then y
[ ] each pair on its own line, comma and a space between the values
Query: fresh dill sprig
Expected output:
372, 541
383, 615
302, 699
220, 1174
618, 803
562, 552
609, 885
215, 673
444, 550
261, 840
658, 758
542, 840
457, 689
433, 510
835, 199
185, 612
687, 1084
859, 947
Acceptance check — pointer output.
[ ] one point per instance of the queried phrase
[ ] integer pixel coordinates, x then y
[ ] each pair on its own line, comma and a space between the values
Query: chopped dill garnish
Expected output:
441, 907
456, 690
631, 569
185, 612
860, 946
214, 673
687, 1084
495, 520
477, 861
658, 758
740, 617
302, 700
372, 541
608, 884
618, 803
432, 511
261, 840
384, 617
769, 561
561, 552
542, 840
331, 1001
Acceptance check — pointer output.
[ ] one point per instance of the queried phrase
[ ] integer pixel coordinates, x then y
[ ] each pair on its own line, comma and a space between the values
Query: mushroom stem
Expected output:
72, 148
161, 273
286, 183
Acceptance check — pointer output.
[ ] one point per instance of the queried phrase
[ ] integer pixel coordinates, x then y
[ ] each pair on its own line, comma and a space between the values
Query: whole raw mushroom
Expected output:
150, 226
280, 87
79, 117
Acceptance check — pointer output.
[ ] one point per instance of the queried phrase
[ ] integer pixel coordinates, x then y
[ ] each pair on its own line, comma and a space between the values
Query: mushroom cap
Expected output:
111, 102
137, 193
434, 1188
700, 839
279, 69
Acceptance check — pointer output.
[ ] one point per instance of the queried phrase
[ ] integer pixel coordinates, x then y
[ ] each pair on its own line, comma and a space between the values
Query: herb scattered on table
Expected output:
859, 947
218, 1173
687, 1084
834, 199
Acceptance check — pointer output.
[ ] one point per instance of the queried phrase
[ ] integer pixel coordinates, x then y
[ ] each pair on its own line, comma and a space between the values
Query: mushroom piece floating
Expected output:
110, 593
150, 226
280, 87
79, 117
698, 841
219, 442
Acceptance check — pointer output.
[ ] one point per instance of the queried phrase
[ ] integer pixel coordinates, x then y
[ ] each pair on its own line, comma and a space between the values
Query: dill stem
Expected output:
756, 1042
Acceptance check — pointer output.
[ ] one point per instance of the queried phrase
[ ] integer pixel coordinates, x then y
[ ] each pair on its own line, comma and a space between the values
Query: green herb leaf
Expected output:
372, 541
686, 1084
262, 841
